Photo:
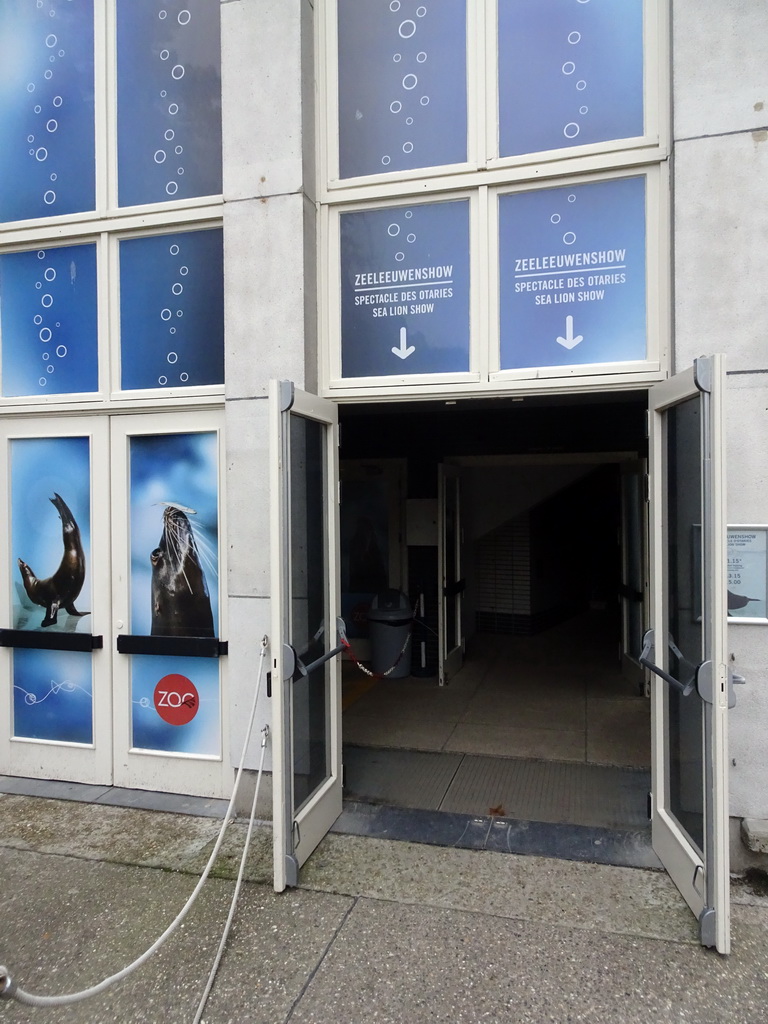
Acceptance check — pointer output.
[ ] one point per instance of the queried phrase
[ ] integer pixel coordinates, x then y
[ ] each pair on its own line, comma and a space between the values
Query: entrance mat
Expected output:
629, 848
406, 778
554, 791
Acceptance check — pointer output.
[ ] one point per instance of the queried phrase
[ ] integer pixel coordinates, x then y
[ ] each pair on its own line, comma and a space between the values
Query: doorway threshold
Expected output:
586, 843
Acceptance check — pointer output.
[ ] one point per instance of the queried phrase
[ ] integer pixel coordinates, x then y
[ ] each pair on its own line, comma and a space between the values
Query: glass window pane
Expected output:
402, 85
168, 100
570, 74
48, 324
405, 290
172, 310
174, 534
684, 561
175, 705
51, 534
53, 696
312, 626
46, 109
572, 274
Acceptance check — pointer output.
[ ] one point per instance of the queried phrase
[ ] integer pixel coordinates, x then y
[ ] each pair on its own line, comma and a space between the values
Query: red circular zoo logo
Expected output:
176, 699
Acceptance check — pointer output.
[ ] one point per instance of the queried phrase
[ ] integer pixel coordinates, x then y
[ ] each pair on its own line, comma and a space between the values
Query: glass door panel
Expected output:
167, 648
57, 698
685, 649
305, 687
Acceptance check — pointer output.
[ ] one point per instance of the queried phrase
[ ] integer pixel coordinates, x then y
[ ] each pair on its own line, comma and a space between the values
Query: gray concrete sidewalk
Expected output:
378, 931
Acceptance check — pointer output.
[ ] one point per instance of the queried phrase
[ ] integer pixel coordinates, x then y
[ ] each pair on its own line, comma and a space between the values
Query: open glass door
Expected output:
451, 584
685, 649
306, 713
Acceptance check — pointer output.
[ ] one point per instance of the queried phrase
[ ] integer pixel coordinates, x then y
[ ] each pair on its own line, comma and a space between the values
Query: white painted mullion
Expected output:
327, 108
103, 74
110, 287
480, 288
475, 84
491, 104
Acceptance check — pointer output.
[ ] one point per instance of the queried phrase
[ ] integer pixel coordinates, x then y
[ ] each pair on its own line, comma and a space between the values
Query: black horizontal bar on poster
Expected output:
35, 639
177, 646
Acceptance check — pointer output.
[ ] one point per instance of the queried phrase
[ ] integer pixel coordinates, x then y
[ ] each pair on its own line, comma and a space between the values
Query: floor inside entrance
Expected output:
541, 728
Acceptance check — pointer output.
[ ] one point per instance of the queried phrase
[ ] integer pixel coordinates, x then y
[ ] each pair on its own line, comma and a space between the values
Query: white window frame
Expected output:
330, 264
106, 225
657, 292
84, 762
482, 115
483, 178
485, 376
204, 774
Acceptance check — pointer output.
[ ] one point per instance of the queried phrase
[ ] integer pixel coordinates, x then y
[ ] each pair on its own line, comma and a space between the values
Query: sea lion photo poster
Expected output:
175, 588
51, 584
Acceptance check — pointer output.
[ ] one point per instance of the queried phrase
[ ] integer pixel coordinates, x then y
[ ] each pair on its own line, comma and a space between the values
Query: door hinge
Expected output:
291, 871
702, 373
721, 690
708, 927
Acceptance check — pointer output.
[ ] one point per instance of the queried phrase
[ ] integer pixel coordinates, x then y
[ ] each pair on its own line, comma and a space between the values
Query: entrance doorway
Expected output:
683, 651
544, 717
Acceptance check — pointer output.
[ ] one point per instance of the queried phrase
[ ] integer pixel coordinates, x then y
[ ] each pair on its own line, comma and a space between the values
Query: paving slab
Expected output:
392, 963
68, 923
378, 930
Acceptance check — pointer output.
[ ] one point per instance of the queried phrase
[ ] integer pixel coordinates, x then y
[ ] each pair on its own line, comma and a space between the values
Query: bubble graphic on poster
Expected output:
551, 56
389, 67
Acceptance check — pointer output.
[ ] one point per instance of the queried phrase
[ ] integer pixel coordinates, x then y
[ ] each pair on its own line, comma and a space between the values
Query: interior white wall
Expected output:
720, 167
497, 494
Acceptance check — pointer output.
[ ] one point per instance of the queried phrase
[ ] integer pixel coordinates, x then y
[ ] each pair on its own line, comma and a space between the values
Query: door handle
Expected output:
648, 653
301, 670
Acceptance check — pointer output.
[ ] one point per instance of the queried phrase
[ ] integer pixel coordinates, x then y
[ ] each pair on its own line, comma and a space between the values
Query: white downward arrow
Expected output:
569, 341
405, 350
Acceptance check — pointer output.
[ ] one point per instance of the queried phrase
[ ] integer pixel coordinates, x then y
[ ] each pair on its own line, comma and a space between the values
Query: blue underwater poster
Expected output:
53, 696
174, 588
51, 585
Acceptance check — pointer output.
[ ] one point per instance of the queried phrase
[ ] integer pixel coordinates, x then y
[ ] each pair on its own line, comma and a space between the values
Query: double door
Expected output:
110, 613
684, 654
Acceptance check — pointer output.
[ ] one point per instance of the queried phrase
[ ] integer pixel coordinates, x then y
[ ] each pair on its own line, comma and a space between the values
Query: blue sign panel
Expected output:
405, 290
570, 73
402, 85
572, 275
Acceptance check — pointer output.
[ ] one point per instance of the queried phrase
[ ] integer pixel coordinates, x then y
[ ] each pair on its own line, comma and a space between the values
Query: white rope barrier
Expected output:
8, 987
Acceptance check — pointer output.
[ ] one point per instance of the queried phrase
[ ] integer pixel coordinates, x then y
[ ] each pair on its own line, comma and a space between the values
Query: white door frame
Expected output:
89, 763
701, 875
298, 829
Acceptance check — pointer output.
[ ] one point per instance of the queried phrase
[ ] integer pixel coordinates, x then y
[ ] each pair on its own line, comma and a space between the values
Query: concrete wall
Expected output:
720, 170
720, 167
269, 273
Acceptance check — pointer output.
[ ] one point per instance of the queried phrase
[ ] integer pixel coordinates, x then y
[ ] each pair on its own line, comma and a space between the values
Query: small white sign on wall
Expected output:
748, 574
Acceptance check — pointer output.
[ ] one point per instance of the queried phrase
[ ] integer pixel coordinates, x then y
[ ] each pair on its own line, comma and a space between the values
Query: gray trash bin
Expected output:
390, 619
